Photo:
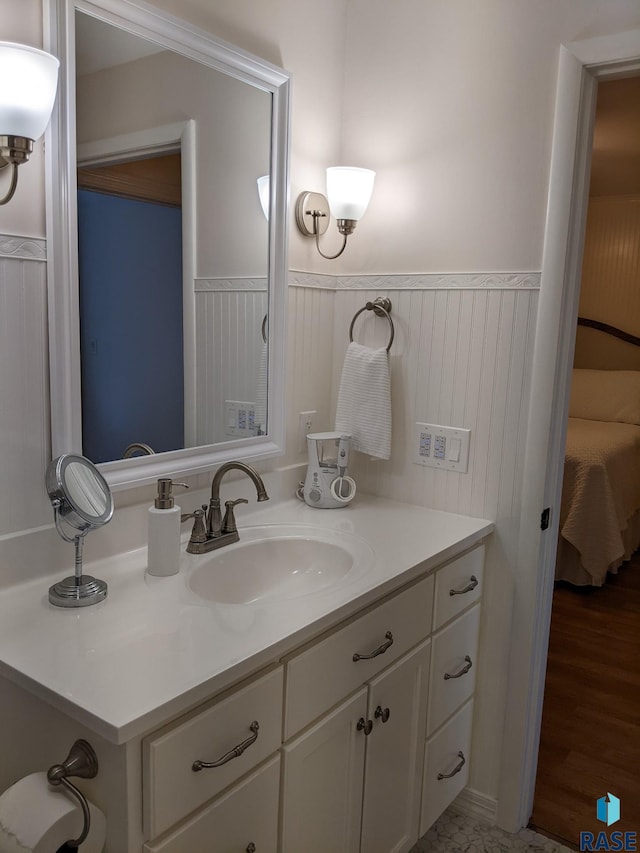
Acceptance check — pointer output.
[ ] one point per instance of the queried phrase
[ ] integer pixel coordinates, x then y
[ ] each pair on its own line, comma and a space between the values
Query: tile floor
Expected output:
458, 833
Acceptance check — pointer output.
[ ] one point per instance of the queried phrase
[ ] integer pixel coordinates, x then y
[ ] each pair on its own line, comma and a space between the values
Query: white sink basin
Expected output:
278, 562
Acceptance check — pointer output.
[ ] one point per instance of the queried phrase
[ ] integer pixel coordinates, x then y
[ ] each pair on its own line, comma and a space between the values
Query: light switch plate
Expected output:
240, 418
442, 447
305, 426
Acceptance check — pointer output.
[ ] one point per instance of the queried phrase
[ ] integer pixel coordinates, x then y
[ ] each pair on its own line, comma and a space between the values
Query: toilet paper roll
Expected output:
37, 818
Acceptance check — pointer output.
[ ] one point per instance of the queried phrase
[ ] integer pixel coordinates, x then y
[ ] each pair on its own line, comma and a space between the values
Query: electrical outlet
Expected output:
305, 426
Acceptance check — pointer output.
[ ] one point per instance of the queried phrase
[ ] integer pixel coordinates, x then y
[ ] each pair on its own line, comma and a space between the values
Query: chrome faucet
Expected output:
210, 530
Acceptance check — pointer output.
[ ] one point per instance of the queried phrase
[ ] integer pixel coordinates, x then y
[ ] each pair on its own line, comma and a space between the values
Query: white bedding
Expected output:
600, 495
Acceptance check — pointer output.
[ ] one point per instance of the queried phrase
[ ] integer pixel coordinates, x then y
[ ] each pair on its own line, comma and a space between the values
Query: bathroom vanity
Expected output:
340, 718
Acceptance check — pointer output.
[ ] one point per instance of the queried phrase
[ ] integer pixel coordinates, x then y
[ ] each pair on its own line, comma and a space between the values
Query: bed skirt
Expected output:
570, 569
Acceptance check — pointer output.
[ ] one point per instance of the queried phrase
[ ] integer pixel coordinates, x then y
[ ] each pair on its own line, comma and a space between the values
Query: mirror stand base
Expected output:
77, 592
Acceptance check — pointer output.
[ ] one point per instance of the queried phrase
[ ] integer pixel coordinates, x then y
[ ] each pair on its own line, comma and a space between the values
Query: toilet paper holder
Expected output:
82, 762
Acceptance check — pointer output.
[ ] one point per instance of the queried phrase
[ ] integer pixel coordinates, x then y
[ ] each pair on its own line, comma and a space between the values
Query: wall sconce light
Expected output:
263, 192
29, 81
348, 190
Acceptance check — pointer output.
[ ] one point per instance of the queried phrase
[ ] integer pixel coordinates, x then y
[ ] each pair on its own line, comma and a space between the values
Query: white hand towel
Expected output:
364, 400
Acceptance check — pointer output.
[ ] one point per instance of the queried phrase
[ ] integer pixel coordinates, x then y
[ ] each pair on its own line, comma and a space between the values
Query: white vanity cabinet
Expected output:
363, 739
359, 734
452, 683
330, 802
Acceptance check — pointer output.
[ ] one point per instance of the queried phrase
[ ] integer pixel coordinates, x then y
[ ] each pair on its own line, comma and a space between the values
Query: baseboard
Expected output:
475, 804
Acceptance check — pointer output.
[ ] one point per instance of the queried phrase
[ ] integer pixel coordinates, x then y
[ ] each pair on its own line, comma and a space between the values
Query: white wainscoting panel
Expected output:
309, 363
228, 350
25, 447
460, 358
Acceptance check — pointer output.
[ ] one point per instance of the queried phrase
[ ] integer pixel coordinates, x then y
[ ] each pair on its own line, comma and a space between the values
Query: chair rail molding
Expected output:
23, 248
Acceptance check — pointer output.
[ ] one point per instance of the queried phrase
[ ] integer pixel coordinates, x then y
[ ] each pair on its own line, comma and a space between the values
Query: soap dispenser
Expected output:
164, 531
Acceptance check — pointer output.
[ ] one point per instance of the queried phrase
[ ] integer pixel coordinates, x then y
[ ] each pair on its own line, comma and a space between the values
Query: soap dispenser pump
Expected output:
164, 531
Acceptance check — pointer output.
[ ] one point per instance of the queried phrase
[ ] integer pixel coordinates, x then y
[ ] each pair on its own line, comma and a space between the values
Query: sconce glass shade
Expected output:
349, 191
30, 78
263, 192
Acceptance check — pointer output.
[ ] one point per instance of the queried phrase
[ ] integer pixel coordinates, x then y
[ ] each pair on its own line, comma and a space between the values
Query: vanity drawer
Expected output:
453, 667
245, 815
458, 585
326, 672
442, 759
172, 789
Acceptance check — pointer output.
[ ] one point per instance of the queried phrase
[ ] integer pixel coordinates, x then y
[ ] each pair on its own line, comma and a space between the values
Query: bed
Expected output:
600, 509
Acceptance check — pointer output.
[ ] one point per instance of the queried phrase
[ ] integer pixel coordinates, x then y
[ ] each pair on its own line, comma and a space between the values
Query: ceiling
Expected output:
100, 45
615, 164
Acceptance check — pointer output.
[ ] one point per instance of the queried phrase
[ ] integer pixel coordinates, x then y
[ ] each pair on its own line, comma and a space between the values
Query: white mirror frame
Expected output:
62, 246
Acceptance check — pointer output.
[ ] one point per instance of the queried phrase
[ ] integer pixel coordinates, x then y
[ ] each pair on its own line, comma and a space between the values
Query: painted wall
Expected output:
455, 115
451, 102
232, 146
609, 290
609, 287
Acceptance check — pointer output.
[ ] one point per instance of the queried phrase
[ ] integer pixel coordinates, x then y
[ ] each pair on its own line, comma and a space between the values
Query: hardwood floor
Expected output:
590, 739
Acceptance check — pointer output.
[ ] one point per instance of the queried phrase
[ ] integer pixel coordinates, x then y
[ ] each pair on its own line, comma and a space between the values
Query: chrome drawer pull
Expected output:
456, 769
364, 725
465, 669
379, 651
382, 714
236, 752
473, 583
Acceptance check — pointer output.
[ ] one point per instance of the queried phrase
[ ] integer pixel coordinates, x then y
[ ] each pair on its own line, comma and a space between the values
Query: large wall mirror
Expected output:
167, 276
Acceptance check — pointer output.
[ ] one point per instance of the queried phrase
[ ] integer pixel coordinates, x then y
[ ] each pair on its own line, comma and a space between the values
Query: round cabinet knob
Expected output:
364, 725
382, 713
314, 495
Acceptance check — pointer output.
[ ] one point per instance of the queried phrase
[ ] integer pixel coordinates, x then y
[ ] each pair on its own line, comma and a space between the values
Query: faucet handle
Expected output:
229, 521
199, 531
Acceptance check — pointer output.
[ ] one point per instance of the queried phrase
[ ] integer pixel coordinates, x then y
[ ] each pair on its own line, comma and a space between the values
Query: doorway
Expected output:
581, 65
131, 323
589, 743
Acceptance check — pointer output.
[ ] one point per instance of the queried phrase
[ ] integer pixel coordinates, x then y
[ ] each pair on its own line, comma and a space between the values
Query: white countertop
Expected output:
152, 650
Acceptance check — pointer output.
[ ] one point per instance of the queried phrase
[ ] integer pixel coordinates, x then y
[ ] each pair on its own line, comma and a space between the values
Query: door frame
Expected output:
581, 65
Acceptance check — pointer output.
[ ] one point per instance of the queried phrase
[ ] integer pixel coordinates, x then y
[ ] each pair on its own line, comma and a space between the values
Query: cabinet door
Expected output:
245, 818
322, 783
393, 779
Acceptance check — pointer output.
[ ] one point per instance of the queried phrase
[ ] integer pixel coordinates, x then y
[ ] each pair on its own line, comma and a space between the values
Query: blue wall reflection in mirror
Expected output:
130, 269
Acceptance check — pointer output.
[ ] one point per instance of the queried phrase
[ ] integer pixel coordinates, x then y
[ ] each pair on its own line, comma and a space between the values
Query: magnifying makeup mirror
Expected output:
82, 500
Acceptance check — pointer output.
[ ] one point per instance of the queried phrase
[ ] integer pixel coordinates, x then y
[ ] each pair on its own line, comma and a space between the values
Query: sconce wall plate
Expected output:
15, 150
307, 202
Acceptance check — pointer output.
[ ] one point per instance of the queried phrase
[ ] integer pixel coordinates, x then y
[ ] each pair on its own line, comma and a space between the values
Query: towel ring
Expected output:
380, 306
